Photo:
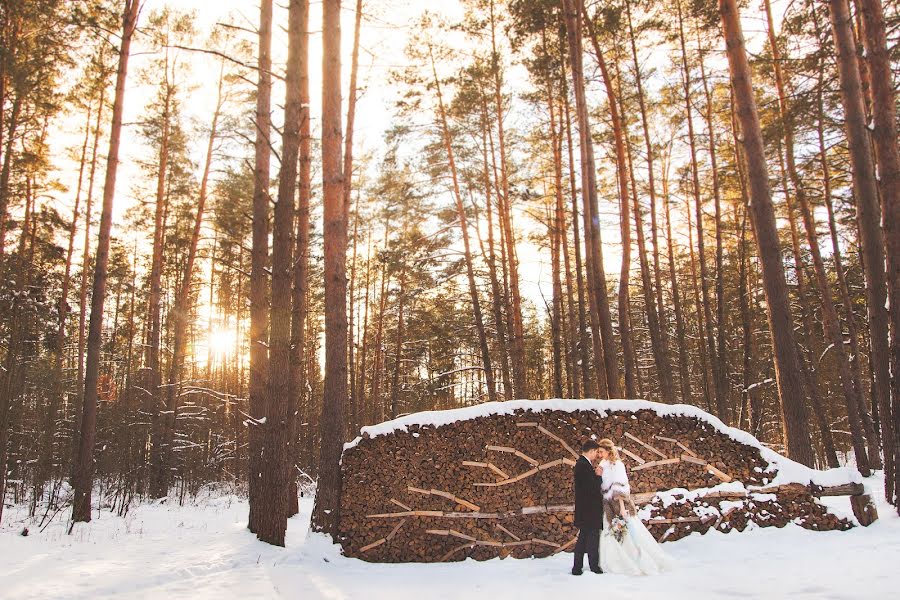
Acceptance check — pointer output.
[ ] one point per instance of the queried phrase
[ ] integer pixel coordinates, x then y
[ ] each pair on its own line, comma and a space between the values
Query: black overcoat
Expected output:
588, 496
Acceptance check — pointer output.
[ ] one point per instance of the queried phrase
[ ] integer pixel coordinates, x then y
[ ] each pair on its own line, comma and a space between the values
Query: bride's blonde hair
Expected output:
607, 444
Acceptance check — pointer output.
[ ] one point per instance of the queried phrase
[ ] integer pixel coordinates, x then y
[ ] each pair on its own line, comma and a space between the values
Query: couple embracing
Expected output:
609, 531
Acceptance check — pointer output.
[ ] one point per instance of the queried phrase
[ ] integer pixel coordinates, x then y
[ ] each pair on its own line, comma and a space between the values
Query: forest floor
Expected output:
203, 550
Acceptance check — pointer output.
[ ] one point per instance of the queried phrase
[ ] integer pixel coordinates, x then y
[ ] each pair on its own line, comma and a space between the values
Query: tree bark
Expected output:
658, 335
464, 228
601, 320
278, 427
259, 258
680, 329
787, 367
706, 330
84, 461
830, 323
884, 136
300, 293
326, 513
624, 213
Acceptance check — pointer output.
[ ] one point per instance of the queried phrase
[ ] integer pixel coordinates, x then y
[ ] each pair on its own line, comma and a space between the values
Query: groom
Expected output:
588, 508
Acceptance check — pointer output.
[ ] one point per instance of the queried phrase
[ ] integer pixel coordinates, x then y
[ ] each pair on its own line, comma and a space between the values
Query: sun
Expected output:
222, 342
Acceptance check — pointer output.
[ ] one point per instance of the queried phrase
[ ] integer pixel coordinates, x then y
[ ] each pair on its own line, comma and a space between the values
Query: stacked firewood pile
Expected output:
501, 485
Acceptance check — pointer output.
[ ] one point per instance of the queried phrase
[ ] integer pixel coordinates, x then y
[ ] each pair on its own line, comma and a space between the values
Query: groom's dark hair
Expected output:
589, 445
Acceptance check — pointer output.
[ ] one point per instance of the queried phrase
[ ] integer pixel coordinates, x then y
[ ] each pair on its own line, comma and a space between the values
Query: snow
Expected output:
204, 551
787, 470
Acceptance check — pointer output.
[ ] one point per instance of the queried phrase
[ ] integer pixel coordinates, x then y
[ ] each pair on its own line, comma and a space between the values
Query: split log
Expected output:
631, 455
373, 545
863, 509
656, 463
508, 532
634, 438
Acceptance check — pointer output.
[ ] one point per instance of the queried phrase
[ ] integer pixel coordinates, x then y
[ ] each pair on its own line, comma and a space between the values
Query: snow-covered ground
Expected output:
204, 551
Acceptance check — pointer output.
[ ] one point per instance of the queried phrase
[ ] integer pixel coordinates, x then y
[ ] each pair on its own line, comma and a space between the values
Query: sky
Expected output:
386, 27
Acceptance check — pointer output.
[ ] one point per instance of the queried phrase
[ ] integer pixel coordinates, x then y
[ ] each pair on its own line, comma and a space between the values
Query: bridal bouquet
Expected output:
618, 527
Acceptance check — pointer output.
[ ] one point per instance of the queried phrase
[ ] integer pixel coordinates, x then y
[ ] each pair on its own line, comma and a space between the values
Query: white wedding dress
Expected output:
638, 553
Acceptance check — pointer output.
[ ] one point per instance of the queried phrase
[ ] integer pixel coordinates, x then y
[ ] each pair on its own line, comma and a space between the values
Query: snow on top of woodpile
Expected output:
788, 471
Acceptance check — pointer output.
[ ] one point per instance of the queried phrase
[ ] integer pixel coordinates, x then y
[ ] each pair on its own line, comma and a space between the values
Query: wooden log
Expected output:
550, 465
847, 489
558, 439
517, 543
409, 513
500, 472
467, 504
533, 510
444, 532
474, 515
472, 463
527, 458
395, 530
566, 546
400, 504
643, 498
631, 455
455, 550
645, 445
686, 449
374, 544
863, 509
490, 543
656, 463
544, 542
526, 474
666, 439
506, 449
569, 462
462, 535
508, 532
567, 508
676, 520
720, 474
693, 460
526, 424
416, 490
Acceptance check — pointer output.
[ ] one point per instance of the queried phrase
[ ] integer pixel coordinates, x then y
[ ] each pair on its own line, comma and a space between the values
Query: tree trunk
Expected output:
787, 367
810, 373
326, 513
182, 308
601, 319
83, 286
259, 258
655, 314
680, 329
57, 395
706, 305
496, 292
299, 304
278, 427
884, 135
584, 342
348, 188
158, 468
517, 331
625, 213
720, 372
84, 461
830, 323
464, 228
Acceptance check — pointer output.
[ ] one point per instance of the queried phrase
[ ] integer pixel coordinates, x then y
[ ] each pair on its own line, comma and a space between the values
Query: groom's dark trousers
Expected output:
588, 514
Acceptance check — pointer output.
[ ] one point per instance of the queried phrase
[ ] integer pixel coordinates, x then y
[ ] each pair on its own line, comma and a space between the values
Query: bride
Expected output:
626, 546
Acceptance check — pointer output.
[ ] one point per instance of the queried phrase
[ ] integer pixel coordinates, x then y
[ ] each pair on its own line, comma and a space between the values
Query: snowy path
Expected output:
205, 552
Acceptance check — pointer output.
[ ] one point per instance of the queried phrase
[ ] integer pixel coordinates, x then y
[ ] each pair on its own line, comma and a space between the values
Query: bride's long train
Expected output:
637, 554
